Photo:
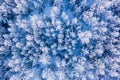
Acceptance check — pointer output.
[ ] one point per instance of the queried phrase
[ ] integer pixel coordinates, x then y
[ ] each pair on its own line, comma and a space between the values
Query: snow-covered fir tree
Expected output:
59, 39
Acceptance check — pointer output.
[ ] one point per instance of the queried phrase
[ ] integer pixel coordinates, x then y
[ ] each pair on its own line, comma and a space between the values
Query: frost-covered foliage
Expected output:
59, 39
